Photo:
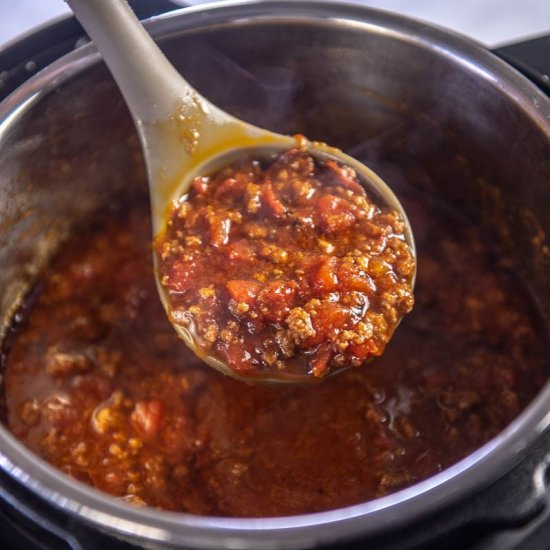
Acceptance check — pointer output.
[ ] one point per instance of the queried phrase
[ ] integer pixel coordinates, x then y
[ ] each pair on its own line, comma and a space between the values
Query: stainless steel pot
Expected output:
400, 95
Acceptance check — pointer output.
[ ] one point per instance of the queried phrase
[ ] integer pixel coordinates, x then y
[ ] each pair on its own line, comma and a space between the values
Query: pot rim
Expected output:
369, 518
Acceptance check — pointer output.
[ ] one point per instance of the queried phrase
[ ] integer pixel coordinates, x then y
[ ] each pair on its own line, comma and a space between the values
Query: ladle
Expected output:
182, 134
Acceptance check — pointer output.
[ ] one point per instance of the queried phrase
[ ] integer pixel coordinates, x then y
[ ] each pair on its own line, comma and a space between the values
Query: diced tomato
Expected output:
271, 201
325, 279
352, 278
368, 349
243, 291
239, 359
200, 185
334, 214
229, 186
182, 276
320, 360
328, 318
147, 416
344, 176
278, 298
241, 251
219, 230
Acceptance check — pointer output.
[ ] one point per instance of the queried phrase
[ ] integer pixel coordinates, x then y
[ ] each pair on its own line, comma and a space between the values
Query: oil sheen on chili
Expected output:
284, 265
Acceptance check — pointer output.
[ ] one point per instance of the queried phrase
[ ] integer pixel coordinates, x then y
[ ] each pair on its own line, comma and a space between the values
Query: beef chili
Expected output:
97, 383
284, 264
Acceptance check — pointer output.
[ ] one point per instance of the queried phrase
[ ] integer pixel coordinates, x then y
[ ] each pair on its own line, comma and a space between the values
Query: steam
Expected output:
269, 91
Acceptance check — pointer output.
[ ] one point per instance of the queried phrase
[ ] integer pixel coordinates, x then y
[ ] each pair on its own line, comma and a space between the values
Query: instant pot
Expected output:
305, 61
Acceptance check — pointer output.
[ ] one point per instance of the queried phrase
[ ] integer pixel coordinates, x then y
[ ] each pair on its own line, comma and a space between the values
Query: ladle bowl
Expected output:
183, 135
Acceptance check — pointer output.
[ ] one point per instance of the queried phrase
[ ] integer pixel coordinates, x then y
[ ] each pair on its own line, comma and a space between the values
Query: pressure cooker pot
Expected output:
458, 134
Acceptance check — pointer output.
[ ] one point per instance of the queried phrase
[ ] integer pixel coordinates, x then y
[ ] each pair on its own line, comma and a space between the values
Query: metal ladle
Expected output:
182, 134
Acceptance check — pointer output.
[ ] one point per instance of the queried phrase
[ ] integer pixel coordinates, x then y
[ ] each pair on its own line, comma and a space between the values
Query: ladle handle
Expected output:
150, 84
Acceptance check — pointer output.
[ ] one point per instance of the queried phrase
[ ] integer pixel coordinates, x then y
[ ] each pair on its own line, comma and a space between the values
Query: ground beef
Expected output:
285, 266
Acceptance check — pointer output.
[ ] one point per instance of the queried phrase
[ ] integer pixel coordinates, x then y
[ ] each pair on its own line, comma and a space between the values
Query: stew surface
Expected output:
285, 266
98, 384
